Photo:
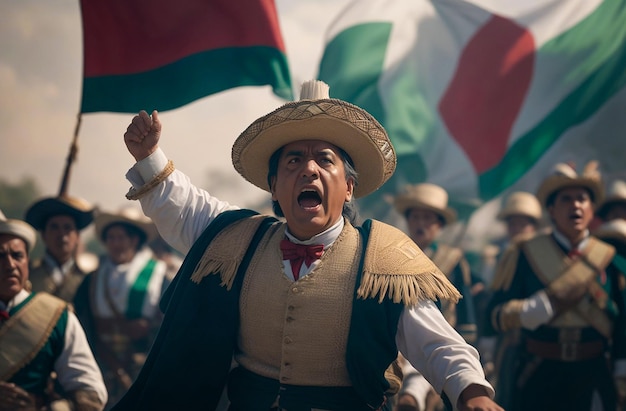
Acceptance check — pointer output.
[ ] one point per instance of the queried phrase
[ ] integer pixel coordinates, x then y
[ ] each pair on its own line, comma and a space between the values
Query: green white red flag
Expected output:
485, 96
163, 54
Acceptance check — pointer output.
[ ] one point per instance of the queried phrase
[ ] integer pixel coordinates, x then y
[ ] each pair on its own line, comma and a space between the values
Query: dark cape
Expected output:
189, 363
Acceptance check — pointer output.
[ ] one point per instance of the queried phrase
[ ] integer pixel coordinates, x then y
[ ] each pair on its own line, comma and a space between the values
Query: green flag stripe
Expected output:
186, 80
357, 54
137, 293
604, 59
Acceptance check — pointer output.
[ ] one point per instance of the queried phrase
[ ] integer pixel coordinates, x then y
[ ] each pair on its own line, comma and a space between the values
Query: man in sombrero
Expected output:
59, 221
313, 308
565, 292
425, 209
117, 304
40, 335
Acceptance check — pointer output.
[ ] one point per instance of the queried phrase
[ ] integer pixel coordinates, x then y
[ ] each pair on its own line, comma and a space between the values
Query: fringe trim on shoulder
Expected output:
396, 268
225, 252
408, 289
226, 269
505, 269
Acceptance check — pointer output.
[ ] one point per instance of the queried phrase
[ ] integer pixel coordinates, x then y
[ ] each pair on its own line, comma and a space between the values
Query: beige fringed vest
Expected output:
297, 332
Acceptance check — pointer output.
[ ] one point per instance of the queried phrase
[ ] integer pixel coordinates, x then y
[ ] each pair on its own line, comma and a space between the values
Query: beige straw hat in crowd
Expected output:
616, 194
428, 196
612, 230
128, 215
565, 176
521, 203
20, 229
42, 210
317, 117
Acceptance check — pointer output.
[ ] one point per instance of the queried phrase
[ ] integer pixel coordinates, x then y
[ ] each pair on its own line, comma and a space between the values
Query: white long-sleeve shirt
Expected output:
76, 367
182, 211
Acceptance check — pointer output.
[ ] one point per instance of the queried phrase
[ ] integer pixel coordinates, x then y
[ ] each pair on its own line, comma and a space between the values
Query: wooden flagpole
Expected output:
71, 157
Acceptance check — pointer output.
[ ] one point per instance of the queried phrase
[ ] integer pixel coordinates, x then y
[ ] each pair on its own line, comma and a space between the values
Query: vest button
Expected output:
295, 290
290, 319
288, 340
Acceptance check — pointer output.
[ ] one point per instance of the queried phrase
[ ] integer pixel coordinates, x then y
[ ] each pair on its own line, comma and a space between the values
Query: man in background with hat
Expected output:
521, 213
426, 212
562, 290
39, 335
118, 303
614, 205
59, 220
314, 308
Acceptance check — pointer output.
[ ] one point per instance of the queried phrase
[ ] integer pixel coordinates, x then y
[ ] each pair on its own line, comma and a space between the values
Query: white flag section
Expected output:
483, 97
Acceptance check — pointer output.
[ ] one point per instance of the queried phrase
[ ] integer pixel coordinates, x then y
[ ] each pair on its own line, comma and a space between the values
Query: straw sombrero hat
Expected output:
612, 230
565, 176
42, 210
20, 229
616, 194
127, 215
521, 203
428, 196
317, 117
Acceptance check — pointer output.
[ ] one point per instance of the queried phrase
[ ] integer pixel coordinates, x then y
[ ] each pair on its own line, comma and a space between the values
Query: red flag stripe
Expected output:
133, 36
487, 91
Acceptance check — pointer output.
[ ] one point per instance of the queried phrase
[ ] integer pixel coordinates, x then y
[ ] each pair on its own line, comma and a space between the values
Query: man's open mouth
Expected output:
309, 199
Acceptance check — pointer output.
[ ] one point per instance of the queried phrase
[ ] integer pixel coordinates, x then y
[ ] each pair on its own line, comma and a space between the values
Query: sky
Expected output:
40, 90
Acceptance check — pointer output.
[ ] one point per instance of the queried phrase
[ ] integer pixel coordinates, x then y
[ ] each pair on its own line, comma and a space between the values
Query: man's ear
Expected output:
350, 191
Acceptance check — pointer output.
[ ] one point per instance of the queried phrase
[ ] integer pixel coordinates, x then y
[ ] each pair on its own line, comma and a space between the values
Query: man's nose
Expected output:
310, 169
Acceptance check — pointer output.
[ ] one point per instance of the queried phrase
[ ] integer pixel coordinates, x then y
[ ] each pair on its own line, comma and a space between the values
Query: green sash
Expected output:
137, 293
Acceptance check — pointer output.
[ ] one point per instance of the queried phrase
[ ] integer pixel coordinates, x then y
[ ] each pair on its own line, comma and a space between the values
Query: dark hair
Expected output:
350, 210
131, 231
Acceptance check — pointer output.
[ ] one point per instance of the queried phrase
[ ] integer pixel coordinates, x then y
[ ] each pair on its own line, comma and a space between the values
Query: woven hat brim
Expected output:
38, 213
555, 183
103, 220
334, 121
406, 202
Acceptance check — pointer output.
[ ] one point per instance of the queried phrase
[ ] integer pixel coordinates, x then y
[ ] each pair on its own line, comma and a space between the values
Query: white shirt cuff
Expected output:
144, 170
151, 165
536, 310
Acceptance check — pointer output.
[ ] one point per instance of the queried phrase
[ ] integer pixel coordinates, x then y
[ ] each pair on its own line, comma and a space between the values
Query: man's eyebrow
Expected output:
293, 153
323, 151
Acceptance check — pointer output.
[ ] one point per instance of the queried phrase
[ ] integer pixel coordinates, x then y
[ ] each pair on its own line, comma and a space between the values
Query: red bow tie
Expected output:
4, 315
574, 253
299, 253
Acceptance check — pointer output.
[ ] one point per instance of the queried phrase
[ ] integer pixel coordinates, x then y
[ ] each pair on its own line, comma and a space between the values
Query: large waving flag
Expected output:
144, 54
484, 96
